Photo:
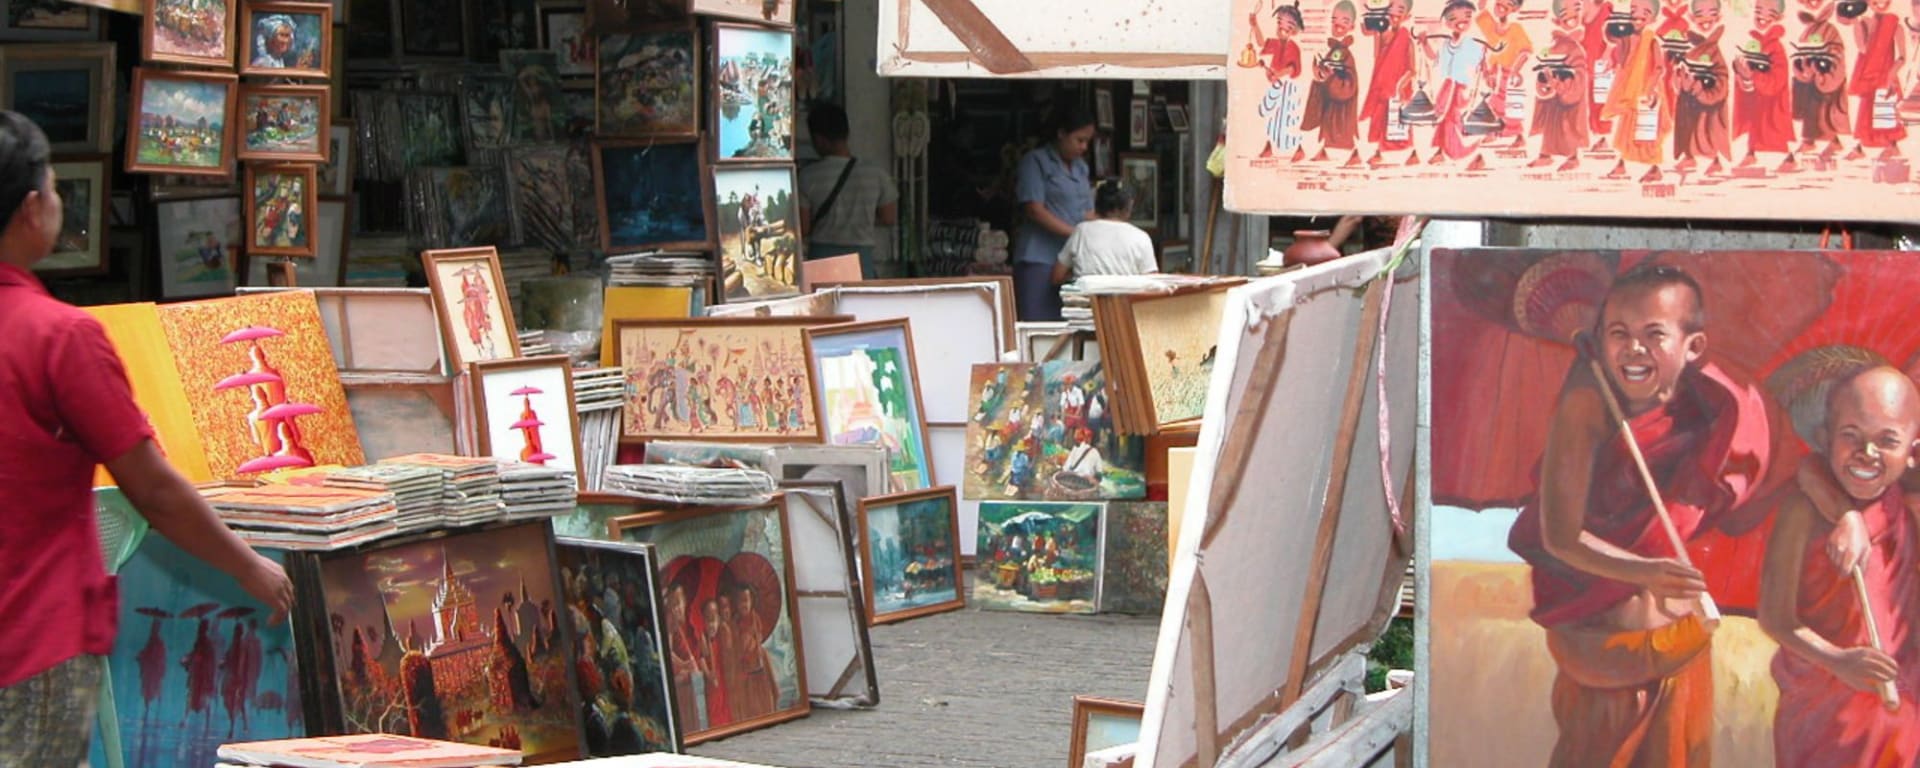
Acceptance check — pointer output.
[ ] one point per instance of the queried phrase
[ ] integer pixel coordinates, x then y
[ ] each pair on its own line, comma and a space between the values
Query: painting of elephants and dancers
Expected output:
741, 379
753, 105
1039, 556
471, 297
727, 580
910, 555
1769, 109
870, 395
192, 32
454, 638
1771, 396
619, 651
759, 221
197, 663
261, 383
1044, 431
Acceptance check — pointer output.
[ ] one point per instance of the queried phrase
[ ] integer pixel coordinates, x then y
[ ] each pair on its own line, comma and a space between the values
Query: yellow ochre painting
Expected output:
134, 330
1176, 339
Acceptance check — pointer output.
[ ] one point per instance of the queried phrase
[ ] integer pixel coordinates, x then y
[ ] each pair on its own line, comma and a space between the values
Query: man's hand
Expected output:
1863, 669
1848, 544
267, 582
1668, 579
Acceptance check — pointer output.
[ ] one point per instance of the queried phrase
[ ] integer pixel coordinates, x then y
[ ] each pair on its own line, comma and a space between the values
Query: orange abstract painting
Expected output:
261, 383
134, 330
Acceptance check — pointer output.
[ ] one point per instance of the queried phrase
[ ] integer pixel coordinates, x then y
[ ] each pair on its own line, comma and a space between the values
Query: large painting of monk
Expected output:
1673, 518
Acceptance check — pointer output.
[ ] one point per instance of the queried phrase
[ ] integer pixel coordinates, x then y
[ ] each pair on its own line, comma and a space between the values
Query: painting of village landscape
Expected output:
1044, 431
753, 67
1134, 562
726, 579
732, 379
870, 395
1772, 398
1176, 336
619, 652
182, 123
197, 663
457, 639
1039, 557
910, 555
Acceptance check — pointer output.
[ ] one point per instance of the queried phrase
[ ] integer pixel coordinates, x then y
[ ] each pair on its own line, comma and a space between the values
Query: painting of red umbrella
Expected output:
527, 411
729, 616
1509, 328
196, 664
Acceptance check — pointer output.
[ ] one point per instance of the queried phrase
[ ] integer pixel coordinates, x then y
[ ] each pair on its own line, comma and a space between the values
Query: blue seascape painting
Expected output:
196, 665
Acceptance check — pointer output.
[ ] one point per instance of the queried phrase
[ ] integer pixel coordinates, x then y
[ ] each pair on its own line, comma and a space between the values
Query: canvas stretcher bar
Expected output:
1069, 40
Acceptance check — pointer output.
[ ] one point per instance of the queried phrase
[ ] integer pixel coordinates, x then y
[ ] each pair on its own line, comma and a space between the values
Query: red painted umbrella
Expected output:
523, 391
528, 424
252, 333
290, 410
270, 463
699, 578
769, 590
247, 379
154, 612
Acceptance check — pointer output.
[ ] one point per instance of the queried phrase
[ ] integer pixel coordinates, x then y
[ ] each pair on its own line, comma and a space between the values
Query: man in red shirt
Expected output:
65, 406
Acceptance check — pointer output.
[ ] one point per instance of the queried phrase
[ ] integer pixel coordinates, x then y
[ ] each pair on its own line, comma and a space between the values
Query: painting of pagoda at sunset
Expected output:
455, 638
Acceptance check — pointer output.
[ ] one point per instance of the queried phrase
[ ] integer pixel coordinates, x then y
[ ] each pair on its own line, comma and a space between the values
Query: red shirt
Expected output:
65, 407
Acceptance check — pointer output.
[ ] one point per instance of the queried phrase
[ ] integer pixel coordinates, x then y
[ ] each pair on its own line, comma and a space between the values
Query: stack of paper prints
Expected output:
532, 490
304, 517
691, 485
416, 490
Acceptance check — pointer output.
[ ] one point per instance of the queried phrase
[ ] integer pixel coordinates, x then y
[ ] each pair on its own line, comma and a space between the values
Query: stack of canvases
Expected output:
304, 516
598, 395
194, 117
1158, 346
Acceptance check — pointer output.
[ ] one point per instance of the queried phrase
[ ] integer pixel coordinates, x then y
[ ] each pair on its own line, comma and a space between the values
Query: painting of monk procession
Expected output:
1689, 474
740, 379
1044, 431
1759, 109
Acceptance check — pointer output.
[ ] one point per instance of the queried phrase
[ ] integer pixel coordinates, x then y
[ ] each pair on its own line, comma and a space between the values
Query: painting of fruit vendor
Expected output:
1041, 557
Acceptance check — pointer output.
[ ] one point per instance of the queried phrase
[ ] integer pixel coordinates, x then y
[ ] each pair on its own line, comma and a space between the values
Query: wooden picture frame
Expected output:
336, 172
267, 63
1177, 118
496, 341
92, 131
567, 67
948, 364
248, 119
1084, 710
578, 555
775, 273
66, 22
684, 327
1146, 194
203, 233
861, 470
824, 340
480, 371
90, 255
140, 160
309, 193
722, 138
1102, 108
644, 527
700, 180
328, 267
754, 11
605, 79
151, 30
876, 614
1139, 125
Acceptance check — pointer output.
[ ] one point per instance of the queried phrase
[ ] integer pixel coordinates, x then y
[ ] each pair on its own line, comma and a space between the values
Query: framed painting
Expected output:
974, 316
861, 470
332, 228
184, 626
287, 40
288, 123
1174, 337
731, 624
1177, 118
433, 28
181, 122
1102, 108
647, 83
463, 204
1039, 556
487, 103
1141, 173
81, 247
563, 30
910, 555
1133, 561
736, 379
652, 195
261, 383
475, 315
827, 595
753, 81
540, 111
1102, 723
1139, 125
335, 175
759, 230
448, 636
613, 608
869, 394
544, 199
526, 411
55, 21
432, 135
197, 34
198, 242
637, 302
1075, 454
280, 201
67, 90
775, 12
804, 305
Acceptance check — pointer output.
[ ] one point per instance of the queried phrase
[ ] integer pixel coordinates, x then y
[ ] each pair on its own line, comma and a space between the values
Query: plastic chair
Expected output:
121, 531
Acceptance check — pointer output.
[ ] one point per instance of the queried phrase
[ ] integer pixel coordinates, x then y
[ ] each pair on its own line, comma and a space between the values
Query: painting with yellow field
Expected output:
134, 330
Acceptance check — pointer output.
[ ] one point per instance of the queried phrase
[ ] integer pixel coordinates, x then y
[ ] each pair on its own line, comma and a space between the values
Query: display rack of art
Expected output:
1039, 557
828, 598
910, 555
734, 379
975, 318
731, 622
653, 194
69, 90
1046, 432
612, 604
525, 411
869, 394
475, 315
758, 216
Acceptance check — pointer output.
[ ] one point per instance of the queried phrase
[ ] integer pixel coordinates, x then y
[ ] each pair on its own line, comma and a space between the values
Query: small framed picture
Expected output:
198, 242
476, 317
1141, 173
1142, 88
1177, 117
281, 202
81, 248
287, 39
1103, 109
181, 122
50, 21
563, 30
1103, 723
1102, 157
66, 89
647, 83
526, 411
198, 34
288, 123
1139, 125
753, 86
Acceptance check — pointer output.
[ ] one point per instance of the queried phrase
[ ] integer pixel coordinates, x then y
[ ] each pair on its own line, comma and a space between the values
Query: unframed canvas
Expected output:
832, 608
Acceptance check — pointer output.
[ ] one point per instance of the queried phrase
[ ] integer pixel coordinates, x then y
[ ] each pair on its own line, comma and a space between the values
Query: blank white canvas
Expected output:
949, 448
833, 629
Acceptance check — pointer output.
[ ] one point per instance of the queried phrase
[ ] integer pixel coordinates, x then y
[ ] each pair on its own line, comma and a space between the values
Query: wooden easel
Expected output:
280, 273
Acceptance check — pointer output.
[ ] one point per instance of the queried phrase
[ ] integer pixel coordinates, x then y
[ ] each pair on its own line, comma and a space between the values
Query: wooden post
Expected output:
280, 273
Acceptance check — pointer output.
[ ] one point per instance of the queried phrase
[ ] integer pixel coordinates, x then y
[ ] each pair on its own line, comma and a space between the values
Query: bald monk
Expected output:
1635, 682
1830, 713
1391, 83
1700, 85
1332, 100
1637, 106
1762, 99
1561, 91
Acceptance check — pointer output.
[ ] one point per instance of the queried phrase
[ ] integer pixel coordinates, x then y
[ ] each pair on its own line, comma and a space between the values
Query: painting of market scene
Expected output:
1045, 432
182, 122
911, 557
1041, 557
617, 647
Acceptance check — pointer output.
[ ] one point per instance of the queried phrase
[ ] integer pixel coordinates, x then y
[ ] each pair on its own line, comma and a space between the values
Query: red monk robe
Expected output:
1820, 720
1876, 69
1763, 105
1820, 80
1639, 68
1646, 697
1594, 40
1392, 62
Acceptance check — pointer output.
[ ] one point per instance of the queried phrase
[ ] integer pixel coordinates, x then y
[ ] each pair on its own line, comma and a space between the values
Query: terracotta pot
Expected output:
1310, 247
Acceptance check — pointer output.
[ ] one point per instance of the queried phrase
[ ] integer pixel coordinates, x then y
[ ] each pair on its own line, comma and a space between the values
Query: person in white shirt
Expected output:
844, 200
1107, 244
